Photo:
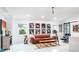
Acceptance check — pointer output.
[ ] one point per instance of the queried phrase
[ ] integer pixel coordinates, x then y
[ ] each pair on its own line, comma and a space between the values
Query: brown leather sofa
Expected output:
43, 38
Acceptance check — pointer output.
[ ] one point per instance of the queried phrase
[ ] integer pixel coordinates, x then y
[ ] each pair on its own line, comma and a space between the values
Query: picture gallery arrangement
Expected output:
37, 28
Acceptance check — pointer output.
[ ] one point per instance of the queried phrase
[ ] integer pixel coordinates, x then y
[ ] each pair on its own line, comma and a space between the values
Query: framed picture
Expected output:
31, 25
75, 28
43, 31
49, 31
43, 25
22, 28
78, 27
60, 27
37, 31
31, 31
48, 26
37, 25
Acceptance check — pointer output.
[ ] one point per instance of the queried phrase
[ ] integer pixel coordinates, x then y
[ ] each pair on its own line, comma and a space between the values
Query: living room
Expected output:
41, 29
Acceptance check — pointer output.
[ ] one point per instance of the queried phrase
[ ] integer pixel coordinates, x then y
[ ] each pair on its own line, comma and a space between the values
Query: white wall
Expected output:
74, 34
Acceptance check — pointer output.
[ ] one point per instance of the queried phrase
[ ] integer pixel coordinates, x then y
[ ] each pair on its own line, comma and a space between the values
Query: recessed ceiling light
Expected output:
55, 18
42, 17
28, 15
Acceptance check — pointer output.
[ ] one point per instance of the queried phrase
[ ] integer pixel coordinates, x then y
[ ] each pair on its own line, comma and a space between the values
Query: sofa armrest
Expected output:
33, 40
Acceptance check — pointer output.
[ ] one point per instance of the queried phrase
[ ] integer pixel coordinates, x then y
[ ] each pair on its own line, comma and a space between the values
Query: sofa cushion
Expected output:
42, 36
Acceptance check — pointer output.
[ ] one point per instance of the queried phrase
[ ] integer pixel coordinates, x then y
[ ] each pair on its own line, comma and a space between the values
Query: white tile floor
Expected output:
31, 48
74, 44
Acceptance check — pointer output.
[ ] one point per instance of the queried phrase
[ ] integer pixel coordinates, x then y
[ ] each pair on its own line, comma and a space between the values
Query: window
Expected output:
67, 28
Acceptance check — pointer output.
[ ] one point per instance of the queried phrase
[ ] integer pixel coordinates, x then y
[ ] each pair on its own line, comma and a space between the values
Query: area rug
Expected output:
44, 45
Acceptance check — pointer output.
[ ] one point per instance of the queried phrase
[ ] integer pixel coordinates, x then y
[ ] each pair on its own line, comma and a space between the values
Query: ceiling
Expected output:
31, 12
66, 11
42, 12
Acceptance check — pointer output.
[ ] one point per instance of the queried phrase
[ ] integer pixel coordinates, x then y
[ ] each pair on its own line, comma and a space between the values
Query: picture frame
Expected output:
37, 31
60, 27
31, 31
48, 31
31, 25
22, 29
43, 25
78, 27
43, 31
37, 25
48, 26
75, 28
